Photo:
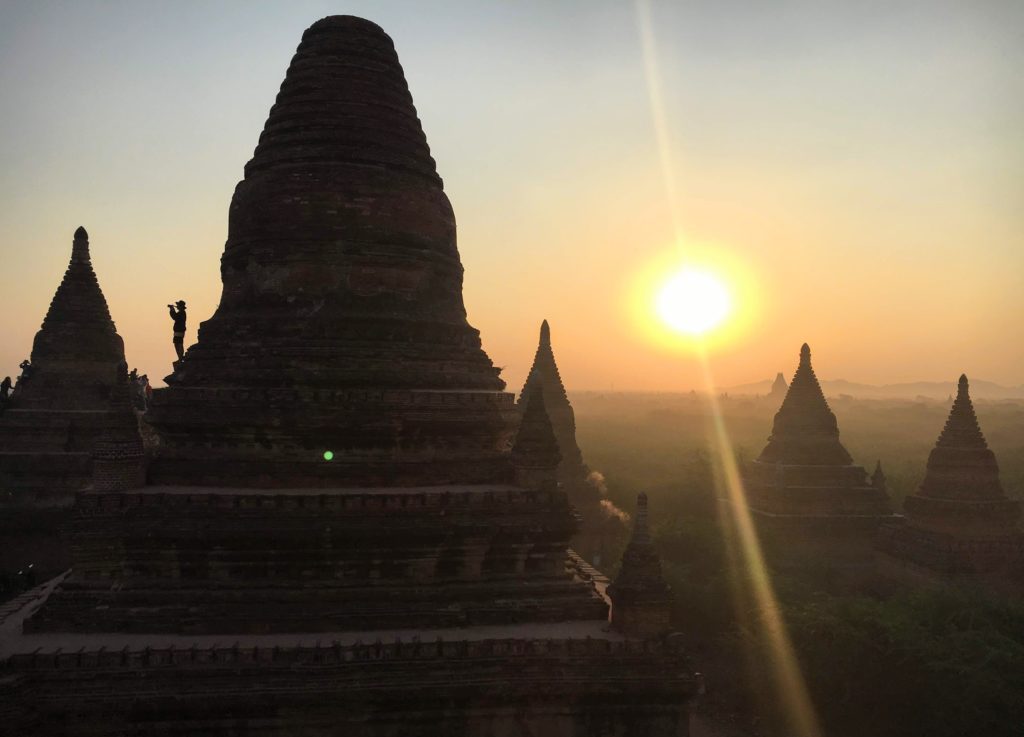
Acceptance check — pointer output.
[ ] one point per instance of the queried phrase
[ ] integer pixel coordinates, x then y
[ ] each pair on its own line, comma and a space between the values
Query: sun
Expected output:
693, 302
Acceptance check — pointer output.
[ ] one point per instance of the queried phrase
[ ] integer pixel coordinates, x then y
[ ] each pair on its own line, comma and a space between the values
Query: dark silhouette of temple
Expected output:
599, 530
72, 391
959, 525
334, 537
811, 503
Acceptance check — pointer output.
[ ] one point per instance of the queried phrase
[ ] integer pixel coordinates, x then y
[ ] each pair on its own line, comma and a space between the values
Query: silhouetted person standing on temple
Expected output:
179, 326
5, 391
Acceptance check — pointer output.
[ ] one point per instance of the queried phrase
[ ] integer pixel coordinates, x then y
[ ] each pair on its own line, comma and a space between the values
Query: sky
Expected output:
854, 171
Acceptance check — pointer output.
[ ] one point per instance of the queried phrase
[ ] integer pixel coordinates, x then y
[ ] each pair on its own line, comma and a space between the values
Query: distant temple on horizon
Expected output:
73, 390
810, 502
779, 387
346, 527
599, 529
959, 526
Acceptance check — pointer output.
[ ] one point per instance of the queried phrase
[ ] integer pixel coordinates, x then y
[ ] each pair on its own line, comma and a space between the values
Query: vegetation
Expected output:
938, 662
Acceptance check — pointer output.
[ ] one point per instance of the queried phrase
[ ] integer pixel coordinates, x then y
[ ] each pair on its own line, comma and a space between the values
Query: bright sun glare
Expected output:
693, 302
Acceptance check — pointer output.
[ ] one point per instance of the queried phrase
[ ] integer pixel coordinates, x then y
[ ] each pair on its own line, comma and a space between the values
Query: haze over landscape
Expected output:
853, 174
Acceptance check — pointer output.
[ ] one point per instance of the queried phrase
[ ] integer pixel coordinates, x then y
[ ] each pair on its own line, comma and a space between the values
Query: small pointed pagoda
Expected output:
600, 531
959, 524
805, 487
641, 600
779, 387
572, 471
74, 391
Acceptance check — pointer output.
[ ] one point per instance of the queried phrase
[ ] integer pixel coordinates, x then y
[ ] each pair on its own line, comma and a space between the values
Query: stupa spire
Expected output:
878, 477
805, 431
80, 245
640, 596
544, 371
961, 465
962, 429
78, 304
544, 376
779, 386
959, 523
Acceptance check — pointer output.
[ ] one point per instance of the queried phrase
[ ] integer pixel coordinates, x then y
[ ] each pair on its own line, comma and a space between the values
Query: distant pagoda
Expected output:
413, 580
804, 484
74, 391
960, 523
779, 387
600, 531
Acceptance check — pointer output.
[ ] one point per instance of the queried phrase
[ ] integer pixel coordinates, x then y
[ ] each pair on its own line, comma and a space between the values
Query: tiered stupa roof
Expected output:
341, 325
960, 523
640, 596
805, 431
961, 492
961, 465
544, 374
77, 344
75, 388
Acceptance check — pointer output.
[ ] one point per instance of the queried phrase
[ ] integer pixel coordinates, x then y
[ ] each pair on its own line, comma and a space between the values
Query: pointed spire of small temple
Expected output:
640, 597
544, 371
536, 445
78, 303
878, 478
779, 386
805, 430
544, 376
961, 466
960, 522
962, 428
80, 246
641, 531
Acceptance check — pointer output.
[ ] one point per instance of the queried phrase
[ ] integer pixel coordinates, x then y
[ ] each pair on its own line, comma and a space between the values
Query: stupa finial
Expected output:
805, 355
878, 478
641, 529
545, 335
640, 597
80, 246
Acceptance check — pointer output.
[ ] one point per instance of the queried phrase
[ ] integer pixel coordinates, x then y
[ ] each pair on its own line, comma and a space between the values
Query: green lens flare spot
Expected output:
328, 455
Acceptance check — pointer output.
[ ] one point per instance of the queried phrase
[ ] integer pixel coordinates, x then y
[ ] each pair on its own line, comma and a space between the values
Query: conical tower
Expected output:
960, 522
961, 493
805, 430
779, 387
812, 503
640, 597
74, 391
75, 387
341, 326
572, 472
